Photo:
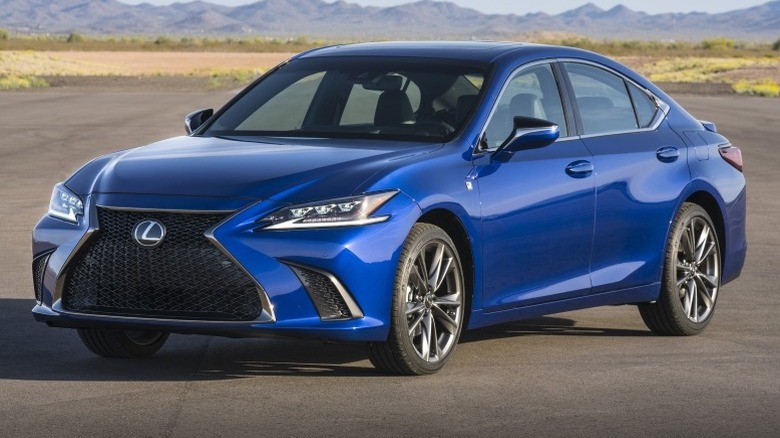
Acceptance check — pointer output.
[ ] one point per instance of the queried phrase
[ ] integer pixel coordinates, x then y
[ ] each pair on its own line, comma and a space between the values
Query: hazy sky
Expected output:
550, 6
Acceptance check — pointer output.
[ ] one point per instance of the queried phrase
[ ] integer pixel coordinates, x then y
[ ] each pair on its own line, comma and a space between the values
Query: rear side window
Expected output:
602, 98
644, 105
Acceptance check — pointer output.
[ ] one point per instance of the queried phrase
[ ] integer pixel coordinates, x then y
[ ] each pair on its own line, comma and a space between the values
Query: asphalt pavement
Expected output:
596, 372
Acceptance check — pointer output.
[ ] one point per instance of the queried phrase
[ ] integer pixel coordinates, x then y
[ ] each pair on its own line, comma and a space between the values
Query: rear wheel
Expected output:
123, 343
428, 305
691, 277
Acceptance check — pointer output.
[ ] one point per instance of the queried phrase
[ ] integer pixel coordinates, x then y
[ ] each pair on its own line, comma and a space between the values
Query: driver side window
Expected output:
532, 92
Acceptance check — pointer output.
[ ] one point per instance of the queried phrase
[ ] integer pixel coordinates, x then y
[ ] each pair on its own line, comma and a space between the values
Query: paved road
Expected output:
594, 373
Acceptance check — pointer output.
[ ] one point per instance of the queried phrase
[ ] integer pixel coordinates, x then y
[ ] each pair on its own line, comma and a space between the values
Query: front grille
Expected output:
38, 269
184, 277
324, 294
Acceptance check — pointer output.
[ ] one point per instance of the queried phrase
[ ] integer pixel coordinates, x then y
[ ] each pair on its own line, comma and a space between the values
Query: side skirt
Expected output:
641, 294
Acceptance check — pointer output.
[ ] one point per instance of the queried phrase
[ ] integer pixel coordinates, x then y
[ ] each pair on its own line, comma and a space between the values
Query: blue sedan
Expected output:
395, 194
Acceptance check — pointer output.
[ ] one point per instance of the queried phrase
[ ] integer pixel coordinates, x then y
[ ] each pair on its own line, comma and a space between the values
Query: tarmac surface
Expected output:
596, 372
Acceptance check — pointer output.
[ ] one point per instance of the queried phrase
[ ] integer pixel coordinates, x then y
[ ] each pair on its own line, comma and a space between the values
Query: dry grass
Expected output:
133, 63
757, 75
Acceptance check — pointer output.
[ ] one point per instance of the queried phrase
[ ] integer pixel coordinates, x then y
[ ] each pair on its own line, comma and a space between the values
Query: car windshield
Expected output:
371, 98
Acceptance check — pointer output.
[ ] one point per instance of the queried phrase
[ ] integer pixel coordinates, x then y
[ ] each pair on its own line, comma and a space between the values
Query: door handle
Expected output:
667, 154
579, 169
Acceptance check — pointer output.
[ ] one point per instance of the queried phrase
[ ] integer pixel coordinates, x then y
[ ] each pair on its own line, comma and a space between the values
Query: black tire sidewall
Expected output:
670, 293
421, 236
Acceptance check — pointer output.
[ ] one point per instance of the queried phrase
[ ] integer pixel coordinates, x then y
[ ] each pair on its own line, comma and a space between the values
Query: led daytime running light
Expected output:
339, 212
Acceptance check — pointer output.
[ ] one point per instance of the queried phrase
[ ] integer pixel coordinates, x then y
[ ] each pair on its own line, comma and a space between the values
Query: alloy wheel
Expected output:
434, 302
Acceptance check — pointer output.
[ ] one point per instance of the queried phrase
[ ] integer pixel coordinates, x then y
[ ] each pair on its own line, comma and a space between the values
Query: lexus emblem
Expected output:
149, 233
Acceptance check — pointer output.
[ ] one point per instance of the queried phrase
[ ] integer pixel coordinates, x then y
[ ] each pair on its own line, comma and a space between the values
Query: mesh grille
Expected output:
39, 268
185, 277
324, 294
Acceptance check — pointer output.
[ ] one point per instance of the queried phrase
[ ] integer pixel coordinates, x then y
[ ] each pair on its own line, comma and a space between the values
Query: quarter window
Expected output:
602, 98
533, 92
644, 105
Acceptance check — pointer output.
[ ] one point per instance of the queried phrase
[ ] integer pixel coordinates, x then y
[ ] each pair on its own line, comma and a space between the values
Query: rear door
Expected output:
640, 172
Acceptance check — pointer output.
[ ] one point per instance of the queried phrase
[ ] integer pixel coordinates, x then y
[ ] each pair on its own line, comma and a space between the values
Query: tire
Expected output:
691, 276
122, 343
428, 304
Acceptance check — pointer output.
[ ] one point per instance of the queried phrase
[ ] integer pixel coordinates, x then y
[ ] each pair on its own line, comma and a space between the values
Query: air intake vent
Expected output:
328, 296
39, 268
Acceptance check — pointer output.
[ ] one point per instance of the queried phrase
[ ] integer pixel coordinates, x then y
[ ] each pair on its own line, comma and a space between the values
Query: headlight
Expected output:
65, 204
342, 212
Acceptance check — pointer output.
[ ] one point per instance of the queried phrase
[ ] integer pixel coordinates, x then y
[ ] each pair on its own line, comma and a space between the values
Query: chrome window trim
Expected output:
512, 75
659, 117
267, 315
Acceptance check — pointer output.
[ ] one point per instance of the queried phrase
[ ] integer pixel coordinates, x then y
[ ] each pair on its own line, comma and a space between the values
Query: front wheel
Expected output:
691, 277
428, 305
122, 343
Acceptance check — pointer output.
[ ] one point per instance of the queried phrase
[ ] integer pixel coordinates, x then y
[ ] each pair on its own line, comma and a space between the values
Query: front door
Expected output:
537, 207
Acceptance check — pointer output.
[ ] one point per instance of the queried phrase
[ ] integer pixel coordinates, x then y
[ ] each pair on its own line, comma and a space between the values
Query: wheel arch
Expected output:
708, 202
454, 227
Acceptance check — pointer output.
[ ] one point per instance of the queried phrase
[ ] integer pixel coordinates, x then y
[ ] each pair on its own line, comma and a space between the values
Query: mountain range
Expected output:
341, 19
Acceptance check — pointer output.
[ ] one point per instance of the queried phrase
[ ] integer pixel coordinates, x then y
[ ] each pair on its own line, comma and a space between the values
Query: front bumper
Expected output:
361, 260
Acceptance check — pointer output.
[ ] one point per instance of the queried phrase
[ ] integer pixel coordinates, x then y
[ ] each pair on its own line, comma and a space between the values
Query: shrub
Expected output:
163, 40
718, 44
766, 88
75, 37
775, 46
4, 35
13, 82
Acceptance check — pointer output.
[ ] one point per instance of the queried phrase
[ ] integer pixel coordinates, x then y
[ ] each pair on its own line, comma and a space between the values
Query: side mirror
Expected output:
196, 119
530, 133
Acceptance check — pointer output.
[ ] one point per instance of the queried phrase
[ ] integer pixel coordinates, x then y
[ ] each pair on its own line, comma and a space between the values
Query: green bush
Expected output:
4, 35
775, 46
718, 44
163, 41
13, 82
75, 37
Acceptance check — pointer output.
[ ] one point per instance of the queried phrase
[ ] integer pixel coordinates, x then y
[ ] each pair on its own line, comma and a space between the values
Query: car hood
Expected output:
258, 168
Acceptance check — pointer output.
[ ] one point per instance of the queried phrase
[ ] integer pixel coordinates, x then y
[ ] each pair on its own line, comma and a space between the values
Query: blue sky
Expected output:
551, 6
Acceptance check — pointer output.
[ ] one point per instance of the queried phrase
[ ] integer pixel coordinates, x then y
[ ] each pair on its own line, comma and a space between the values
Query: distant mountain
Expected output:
421, 19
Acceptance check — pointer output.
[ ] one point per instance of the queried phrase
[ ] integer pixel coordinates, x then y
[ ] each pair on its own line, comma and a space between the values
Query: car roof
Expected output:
479, 51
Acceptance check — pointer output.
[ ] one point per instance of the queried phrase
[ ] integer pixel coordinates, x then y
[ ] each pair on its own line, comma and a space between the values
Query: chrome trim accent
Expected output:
352, 305
165, 210
92, 226
267, 315
143, 240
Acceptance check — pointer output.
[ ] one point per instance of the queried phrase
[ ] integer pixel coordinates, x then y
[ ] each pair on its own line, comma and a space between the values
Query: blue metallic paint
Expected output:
541, 241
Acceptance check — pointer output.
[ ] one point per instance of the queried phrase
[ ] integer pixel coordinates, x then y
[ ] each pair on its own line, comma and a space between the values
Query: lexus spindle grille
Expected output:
184, 277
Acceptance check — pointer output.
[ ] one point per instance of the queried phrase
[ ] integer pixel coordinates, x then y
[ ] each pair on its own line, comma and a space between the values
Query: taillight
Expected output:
732, 155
